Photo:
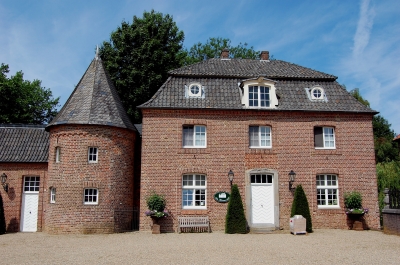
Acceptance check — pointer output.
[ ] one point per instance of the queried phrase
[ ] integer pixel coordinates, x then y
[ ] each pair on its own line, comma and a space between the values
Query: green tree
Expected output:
139, 56
300, 207
385, 149
213, 48
235, 218
2, 217
23, 101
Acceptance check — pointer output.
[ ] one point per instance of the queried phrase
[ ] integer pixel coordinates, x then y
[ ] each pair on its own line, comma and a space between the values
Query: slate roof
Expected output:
94, 101
139, 128
221, 79
23, 143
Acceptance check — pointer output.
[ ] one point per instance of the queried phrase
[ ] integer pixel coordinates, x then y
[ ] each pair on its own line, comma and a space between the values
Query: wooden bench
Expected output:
193, 222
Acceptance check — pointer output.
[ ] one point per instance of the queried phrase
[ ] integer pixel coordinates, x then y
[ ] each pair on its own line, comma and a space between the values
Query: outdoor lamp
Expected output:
230, 176
292, 177
3, 181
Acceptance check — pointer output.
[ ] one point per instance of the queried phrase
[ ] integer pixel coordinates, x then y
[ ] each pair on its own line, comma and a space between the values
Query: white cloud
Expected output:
365, 23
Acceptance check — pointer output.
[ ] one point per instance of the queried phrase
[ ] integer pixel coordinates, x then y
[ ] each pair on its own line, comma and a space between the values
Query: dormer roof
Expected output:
94, 101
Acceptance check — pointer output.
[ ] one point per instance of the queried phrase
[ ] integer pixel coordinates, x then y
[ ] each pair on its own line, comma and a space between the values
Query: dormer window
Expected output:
258, 93
316, 93
258, 96
194, 90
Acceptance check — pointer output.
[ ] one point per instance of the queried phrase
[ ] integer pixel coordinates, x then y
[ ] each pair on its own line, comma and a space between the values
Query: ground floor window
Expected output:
194, 191
91, 196
327, 190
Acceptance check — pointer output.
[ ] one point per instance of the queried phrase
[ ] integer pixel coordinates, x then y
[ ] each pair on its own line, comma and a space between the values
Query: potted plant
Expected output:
156, 209
353, 203
354, 210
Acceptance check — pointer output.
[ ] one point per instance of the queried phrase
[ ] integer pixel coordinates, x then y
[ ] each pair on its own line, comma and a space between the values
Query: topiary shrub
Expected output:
300, 207
2, 218
235, 222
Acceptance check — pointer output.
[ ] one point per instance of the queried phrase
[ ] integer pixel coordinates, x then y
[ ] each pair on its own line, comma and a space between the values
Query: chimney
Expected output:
225, 54
264, 55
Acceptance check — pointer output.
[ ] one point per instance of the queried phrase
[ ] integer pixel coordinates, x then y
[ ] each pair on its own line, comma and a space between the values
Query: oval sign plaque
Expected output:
222, 196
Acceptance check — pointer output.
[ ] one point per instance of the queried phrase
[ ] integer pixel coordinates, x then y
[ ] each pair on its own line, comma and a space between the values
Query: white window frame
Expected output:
320, 90
328, 138
93, 154
327, 185
259, 93
53, 195
90, 198
58, 157
196, 136
195, 95
31, 184
263, 136
192, 184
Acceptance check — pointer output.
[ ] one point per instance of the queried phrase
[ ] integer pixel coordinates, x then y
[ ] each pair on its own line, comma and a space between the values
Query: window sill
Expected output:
194, 151
194, 211
321, 207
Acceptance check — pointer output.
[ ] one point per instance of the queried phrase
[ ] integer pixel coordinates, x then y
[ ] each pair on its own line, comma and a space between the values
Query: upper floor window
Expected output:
324, 137
194, 136
52, 195
92, 155
259, 96
194, 191
91, 196
316, 93
58, 154
258, 93
194, 90
260, 136
327, 191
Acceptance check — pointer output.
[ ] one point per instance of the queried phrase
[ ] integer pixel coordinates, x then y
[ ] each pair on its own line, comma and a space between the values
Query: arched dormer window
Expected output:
194, 90
259, 93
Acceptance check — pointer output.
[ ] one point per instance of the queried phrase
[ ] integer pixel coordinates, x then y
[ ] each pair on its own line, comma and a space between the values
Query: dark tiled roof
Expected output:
245, 68
94, 101
224, 93
139, 128
23, 143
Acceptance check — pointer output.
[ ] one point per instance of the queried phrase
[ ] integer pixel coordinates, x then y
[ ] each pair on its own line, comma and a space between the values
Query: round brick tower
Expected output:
91, 160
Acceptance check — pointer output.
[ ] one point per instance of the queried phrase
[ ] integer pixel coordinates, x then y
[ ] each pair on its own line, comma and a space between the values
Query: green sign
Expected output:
222, 196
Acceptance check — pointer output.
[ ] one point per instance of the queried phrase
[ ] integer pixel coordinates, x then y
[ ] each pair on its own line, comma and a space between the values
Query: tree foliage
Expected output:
213, 48
23, 101
139, 56
235, 219
385, 149
300, 207
388, 174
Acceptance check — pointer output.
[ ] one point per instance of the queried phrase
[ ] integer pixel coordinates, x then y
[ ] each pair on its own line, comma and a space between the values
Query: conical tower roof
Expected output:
94, 101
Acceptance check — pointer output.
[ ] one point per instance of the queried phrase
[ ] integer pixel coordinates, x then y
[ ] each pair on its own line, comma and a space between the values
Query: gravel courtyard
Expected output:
321, 247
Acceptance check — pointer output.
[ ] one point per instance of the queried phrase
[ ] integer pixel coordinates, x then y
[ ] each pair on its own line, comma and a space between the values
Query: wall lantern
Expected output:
3, 181
230, 176
292, 177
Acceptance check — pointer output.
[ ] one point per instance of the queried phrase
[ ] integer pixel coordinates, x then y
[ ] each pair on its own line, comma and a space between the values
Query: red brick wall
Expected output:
13, 199
164, 160
112, 176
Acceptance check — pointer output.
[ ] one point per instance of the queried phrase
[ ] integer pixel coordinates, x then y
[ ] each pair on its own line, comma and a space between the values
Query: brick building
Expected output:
76, 175
261, 119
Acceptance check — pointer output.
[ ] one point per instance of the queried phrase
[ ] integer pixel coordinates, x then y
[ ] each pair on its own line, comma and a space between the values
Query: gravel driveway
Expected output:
321, 247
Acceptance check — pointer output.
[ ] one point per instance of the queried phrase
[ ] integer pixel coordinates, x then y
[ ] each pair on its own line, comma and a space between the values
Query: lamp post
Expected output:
292, 177
3, 182
231, 175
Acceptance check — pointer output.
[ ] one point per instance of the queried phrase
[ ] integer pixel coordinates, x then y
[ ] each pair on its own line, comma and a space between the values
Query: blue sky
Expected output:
358, 41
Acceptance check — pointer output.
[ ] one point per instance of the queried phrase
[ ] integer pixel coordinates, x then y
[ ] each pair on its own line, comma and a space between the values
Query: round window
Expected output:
194, 89
317, 93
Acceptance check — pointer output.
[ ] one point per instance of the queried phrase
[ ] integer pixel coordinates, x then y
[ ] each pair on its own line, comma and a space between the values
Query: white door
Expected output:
30, 203
262, 195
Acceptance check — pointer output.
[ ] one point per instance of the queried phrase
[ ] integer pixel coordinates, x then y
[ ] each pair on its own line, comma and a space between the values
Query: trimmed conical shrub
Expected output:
235, 219
300, 207
2, 217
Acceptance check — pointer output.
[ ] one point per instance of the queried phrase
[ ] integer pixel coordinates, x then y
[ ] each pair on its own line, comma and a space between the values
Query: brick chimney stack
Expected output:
264, 55
225, 54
